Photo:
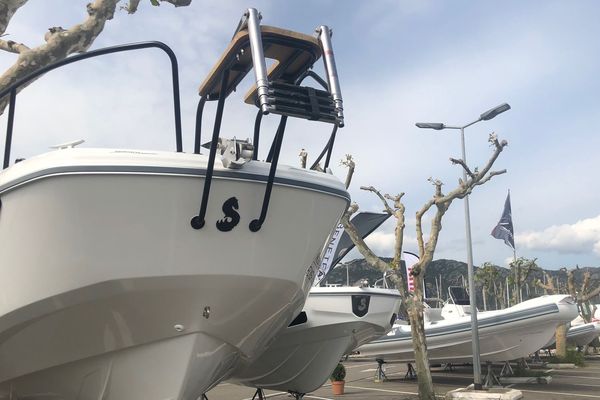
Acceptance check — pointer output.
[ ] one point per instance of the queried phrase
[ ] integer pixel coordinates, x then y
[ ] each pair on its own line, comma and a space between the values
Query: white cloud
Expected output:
580, 237
382, 242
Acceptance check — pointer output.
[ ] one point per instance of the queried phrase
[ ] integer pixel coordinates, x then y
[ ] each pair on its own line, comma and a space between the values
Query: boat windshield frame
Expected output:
12, 89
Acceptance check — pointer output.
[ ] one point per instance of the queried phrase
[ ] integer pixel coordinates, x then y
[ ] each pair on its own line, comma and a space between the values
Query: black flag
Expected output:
365, 223
504, 229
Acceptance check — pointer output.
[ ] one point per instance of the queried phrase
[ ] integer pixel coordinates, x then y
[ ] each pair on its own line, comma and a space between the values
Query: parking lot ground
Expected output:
576, 384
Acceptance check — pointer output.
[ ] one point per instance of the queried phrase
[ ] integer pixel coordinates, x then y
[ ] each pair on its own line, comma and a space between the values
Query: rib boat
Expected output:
139, 275
581, 335
504, 335
334, 321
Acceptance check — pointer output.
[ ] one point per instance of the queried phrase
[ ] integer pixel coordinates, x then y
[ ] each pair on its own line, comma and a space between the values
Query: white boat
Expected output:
334, 321
114, 286
581, 335
504, 335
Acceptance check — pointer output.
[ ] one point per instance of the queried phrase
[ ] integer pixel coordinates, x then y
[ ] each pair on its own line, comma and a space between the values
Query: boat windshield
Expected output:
459, 295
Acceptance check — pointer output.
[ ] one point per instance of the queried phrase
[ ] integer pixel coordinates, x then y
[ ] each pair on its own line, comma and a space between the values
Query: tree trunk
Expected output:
484, 298
561, 341
417, 328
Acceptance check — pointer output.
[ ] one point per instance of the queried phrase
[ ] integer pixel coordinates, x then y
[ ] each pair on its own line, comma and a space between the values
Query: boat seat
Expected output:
293, 52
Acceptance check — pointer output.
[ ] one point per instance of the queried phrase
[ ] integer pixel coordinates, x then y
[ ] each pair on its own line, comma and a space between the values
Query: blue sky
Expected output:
399, 62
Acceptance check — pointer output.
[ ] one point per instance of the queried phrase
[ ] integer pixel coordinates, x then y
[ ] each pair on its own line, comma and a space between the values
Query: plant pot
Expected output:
337, 387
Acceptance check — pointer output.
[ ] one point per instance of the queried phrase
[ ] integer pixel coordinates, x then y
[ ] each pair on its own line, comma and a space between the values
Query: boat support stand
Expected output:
411, 373
380, 375
491, 379
296, 395
507, 370
259, 395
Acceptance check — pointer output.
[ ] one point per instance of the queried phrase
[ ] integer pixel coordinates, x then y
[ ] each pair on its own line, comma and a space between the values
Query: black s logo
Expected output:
360, 305
232, 218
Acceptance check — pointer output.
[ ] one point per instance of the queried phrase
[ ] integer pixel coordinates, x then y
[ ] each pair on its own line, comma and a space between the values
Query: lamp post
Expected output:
486, 116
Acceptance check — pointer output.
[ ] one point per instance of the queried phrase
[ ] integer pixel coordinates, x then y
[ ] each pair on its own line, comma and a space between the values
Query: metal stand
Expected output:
448, 367
204, 396
491, 379
297, 396
507, 370
523, 363
411, 373
259, 395
380, 375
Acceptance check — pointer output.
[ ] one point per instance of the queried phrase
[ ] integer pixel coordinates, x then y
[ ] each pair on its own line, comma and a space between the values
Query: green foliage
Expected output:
339, 373
573, 357
155, 2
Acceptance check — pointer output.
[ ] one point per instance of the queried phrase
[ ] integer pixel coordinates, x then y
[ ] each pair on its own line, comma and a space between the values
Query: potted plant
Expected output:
337, 379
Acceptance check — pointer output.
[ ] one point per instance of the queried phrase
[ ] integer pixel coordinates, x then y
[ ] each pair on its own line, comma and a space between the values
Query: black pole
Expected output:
197, 137
197, 221
9, 127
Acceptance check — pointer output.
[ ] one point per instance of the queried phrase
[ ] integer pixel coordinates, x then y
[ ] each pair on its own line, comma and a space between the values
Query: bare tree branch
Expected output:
548, 286
362, 247
386, 206
595, 292
60, 43
350, 164
132, 6
303, 157
571, 283
465, 167
12, 47
586, 281
8, 8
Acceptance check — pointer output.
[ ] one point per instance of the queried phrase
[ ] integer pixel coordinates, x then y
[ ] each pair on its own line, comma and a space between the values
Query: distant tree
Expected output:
60, 42
583, 293
520, 269
438, 204
560, 334
488, 275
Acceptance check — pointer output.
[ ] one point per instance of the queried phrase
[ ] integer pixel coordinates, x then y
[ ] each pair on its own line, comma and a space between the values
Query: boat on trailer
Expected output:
579, 333
504, 335
141, 275
334, 321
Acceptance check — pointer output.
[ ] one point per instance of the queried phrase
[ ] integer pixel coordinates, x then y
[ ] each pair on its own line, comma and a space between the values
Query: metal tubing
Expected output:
472, 296
327, 146
9, 127
198, 132
330, 68
257, 123
313, 75
330, 147
256, 224
109, 50
197, 221
258, 59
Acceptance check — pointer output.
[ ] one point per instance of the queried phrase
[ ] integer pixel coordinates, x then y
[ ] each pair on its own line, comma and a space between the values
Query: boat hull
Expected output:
503, 335
303, 356
582, 335
101, 269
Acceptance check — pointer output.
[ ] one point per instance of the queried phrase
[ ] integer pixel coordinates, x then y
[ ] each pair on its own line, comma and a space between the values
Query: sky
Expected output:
399, 62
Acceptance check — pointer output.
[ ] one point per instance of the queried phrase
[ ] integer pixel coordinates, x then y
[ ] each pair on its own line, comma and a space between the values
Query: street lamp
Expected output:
486, 116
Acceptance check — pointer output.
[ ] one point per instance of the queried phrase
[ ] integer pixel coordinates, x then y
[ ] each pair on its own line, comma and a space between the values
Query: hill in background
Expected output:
454, 273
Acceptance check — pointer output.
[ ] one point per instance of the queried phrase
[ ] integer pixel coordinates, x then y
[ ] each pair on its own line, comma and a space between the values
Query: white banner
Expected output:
410, 260
329, 253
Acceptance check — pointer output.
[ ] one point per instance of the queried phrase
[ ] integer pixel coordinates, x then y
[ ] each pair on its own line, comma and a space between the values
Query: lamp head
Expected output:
489, 114
430, 125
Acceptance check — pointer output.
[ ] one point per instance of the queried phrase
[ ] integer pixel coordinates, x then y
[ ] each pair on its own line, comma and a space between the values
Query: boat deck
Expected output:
576, 384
